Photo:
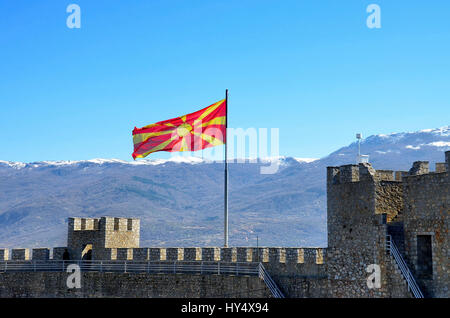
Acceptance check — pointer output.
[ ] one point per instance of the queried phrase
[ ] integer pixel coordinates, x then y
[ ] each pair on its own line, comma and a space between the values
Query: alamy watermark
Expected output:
74, 19
374, 279
374, 19
74, 279
243, 145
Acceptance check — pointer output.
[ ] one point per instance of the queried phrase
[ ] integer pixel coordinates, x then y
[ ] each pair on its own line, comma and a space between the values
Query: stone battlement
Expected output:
364, 172
87, 238
104, 223
365, 205
231, 254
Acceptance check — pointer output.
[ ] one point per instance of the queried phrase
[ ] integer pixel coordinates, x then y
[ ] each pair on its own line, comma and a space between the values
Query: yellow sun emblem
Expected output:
184, 129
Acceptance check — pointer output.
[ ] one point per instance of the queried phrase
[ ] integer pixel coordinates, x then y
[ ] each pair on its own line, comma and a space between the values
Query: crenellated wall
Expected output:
4, 254
427, 211
299, 272
271, 255
356, 235
363, 206
87, 238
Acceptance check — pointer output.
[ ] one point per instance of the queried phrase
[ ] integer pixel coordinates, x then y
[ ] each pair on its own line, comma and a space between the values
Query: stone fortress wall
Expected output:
270, 256
426, 221
131, 285
357, 195
364, 205
111, 239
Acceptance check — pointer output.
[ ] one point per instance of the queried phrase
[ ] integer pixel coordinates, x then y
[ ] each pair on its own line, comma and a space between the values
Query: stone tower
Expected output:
356, 228
426, 222
365, 205
90, 238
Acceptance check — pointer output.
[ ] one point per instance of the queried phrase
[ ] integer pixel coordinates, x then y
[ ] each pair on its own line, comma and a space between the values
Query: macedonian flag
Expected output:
203, 129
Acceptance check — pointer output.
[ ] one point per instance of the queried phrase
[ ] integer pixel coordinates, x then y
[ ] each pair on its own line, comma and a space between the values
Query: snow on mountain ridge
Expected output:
394, 138
283, 160
438, 144
101, 161
176, 159
15, 165
442, 131
306, 160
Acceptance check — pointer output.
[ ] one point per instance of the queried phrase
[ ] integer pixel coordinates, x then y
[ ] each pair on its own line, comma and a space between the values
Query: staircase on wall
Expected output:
404, 269
264, 275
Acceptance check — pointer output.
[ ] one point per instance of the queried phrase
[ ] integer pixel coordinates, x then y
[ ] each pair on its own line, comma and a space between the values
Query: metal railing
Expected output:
166, 267
412, 285
264, 275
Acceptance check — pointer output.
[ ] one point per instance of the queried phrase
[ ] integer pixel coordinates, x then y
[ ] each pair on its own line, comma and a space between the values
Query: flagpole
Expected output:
226, 173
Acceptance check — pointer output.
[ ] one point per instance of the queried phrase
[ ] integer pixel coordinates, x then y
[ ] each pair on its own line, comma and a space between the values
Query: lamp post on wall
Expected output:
361, 158
251, 233
359, 137
257, 246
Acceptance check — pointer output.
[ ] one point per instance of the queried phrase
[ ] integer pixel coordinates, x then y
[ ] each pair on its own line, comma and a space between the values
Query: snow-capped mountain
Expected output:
180, 200
151, 162
398, 150
99, 161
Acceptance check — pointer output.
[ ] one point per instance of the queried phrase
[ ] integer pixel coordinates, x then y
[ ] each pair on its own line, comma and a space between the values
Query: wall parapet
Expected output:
103, 223
20, 254
283, 255
84, 224
365, 172
42, 254
4, 254
419, 167
440, 167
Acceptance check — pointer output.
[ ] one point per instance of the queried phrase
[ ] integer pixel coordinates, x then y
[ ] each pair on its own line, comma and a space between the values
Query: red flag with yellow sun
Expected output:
199, 130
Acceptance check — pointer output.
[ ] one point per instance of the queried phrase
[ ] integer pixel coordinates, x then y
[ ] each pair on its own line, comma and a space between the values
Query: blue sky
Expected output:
311, 68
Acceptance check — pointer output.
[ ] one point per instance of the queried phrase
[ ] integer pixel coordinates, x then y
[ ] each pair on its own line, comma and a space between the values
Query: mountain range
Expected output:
180, 200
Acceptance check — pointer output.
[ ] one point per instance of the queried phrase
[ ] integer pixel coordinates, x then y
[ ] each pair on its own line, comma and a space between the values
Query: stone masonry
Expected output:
90, 238
365, 207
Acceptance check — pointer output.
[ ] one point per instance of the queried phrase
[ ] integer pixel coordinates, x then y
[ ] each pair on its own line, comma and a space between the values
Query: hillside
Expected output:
180, 201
